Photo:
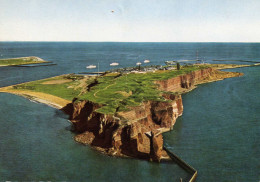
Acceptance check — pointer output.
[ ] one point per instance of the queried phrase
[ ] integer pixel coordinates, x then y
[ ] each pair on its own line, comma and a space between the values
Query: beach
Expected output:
44, 98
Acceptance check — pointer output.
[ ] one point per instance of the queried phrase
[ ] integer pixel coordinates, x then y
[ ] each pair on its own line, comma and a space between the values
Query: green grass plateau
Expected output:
115, 92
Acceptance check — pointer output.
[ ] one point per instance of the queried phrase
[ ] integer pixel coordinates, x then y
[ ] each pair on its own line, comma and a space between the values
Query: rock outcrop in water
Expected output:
138, 132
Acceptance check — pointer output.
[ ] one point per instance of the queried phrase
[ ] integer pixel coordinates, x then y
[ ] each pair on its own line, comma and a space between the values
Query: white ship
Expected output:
91, 66
146, 61
114, 64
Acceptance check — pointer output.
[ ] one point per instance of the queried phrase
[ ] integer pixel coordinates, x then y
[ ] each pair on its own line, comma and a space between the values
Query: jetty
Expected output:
183, 164
92, 73
237, 61
34, 65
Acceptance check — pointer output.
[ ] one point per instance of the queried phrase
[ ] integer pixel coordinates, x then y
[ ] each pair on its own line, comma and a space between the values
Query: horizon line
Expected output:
131, 41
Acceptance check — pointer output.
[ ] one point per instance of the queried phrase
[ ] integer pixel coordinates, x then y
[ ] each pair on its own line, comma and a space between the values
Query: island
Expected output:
21, 61
123, 113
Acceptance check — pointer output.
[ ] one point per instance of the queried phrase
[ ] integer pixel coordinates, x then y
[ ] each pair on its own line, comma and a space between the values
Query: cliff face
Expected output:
138, 132
141, 136
184, 81
188, 81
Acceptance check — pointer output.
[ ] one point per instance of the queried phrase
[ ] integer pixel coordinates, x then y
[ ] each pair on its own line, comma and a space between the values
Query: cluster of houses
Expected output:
169, 65
143, 69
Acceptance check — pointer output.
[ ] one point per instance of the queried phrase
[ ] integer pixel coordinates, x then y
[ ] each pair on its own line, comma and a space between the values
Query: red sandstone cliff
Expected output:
135, 133
138, 132
188, 81
184, 81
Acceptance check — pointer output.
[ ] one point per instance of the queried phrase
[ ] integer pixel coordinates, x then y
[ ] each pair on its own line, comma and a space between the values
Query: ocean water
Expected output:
218, 134
37, 145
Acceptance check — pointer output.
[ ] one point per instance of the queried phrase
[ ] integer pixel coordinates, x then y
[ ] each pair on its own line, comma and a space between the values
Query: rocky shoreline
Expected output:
138, 133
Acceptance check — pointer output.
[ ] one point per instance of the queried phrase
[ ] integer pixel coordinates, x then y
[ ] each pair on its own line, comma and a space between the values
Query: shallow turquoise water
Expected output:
218, 133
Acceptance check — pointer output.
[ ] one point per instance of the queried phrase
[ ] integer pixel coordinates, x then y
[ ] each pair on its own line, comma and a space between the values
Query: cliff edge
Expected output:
137, 132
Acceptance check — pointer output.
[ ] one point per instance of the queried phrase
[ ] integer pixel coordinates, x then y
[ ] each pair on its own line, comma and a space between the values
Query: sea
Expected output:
218, 133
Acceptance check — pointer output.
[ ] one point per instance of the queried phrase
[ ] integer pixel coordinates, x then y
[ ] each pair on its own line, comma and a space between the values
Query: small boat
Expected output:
114, 64
138, 63
146, 61
91, 66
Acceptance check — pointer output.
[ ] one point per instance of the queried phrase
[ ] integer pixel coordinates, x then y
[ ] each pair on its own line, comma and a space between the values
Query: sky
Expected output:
130, 20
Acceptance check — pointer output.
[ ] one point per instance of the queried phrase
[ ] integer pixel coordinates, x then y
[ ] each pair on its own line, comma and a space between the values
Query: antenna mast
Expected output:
98, 69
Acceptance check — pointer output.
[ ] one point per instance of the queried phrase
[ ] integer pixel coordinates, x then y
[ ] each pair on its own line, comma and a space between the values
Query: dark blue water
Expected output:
218, 133
36, 144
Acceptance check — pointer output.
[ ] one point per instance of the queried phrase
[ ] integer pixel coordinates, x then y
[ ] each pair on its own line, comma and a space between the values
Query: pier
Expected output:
34, 65
237, 61
183, 164
92, 73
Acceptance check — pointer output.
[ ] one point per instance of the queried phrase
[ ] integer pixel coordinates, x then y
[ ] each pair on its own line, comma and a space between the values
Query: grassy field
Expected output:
21, 61
64, 86
118, 92
115, 92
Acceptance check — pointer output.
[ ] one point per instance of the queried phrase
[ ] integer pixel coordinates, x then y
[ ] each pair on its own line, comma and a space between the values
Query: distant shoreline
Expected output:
21, 61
